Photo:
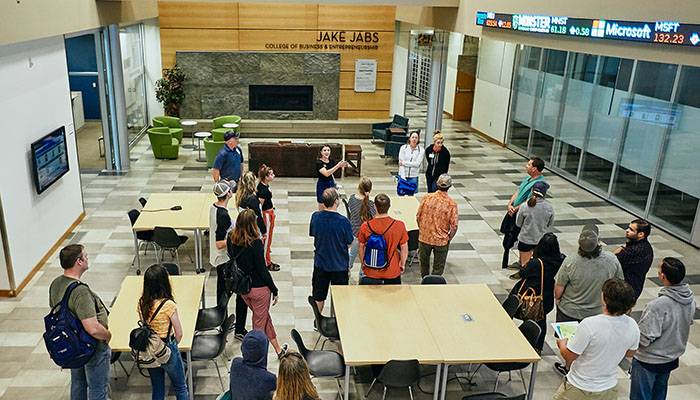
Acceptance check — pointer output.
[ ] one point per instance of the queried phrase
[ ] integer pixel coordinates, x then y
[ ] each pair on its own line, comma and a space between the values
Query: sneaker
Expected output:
273, 267
515, 276
283, 351
240, 335
560, 369
515, 265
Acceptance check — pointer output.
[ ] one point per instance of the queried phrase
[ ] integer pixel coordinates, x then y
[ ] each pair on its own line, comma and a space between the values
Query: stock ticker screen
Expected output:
660, 32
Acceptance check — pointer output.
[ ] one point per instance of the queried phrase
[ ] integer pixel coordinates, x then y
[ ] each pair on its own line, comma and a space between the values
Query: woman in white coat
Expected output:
410, 160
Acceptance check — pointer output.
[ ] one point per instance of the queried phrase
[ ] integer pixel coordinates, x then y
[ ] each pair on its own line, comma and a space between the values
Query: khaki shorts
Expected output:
568, 391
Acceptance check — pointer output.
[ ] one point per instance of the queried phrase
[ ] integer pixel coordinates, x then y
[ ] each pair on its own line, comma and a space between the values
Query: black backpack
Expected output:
235, 280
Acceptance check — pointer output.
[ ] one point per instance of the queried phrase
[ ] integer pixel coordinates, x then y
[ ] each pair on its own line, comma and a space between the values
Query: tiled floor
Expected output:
485, 177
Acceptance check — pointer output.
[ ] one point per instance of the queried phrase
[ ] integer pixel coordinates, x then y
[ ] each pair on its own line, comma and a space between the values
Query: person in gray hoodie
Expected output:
250, 379
664, 327
535, 218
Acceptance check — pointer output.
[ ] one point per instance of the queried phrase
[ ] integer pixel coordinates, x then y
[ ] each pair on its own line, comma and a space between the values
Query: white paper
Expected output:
365, 75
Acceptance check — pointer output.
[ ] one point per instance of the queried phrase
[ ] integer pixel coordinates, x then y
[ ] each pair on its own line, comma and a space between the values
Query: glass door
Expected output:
131, 43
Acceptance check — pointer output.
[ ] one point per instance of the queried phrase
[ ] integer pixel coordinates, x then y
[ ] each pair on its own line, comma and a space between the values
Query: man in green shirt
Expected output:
90, 381
534, 168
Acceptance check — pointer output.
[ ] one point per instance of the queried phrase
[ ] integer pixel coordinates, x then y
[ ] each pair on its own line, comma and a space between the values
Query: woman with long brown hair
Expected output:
246, 247
157, 307
326, 167
361, 209
294, 380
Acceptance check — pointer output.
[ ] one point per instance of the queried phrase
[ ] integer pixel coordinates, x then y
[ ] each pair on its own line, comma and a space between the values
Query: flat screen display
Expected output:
658, 32
50, 159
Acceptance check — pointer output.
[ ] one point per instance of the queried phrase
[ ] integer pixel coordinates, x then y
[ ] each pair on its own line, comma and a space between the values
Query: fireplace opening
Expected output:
281, 97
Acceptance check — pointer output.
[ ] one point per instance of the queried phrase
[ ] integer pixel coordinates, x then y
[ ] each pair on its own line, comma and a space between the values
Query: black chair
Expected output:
493, 396
433, 280
211, 347
116, 359
347, 207
322, 363
398, 374
212, 317
511, 305
392, 147
168, 239
380, 131
142, 237
532, 332
142, 201
327, 326
412, 245
172, 268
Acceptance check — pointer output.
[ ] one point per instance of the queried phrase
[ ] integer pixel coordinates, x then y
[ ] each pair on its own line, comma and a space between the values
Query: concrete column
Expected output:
438, 72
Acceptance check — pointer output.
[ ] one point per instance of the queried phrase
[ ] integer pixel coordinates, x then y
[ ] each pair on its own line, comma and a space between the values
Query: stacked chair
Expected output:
172, 123
163, 143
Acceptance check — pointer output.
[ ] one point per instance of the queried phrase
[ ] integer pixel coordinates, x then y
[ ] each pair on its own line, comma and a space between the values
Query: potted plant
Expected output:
170, 91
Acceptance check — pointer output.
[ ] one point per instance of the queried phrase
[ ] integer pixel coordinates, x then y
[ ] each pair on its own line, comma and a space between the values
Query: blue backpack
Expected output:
376, 250
67, 342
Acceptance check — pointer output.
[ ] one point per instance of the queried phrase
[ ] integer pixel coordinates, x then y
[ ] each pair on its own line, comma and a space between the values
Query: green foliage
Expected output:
170, 90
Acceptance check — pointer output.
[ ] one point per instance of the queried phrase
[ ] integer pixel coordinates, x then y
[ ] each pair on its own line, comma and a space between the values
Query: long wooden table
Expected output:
426, 322
490, 336
123, 317
193, 216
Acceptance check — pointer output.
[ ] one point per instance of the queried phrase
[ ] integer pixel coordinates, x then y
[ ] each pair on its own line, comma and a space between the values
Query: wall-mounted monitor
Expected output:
49, 159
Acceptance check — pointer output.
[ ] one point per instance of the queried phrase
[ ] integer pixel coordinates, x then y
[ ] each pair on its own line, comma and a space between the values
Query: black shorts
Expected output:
526, 247
321, 281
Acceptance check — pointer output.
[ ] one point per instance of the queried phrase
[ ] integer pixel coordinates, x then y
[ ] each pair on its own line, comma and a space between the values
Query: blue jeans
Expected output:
176, 372
92, 380
354, 249
647, 385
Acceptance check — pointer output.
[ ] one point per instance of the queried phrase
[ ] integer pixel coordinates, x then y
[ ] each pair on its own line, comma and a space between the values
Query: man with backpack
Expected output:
437, 222
383, 245
91, 380
332, 235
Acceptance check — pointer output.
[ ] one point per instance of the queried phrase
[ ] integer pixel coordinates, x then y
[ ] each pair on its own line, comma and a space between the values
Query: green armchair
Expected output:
219, 122
164, 145
173, 123
212, 146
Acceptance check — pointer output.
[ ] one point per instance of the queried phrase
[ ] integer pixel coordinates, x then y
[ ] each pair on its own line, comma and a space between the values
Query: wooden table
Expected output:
193, 216
490, 337
405, 208
426, 322
353, 152
382, 323
123, 317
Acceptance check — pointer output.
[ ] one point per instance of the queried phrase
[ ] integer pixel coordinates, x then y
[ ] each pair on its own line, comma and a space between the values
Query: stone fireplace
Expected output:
260, 85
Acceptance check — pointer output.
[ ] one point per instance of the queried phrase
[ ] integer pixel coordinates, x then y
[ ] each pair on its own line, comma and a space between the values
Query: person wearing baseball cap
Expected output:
229, 160
437, 222
220, 226
580, 280
535, 218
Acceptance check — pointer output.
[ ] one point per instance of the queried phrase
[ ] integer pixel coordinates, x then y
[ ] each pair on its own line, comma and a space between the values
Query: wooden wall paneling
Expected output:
349, 100
176, 14
278, 16
361, 17
258, 39
172, 40
364, 114
347, 80
384, 54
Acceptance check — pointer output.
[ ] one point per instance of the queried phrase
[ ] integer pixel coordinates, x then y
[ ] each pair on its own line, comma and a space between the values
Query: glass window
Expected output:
568, 158
655, 79
583, 67
579, 94
632, 188
674, 207
616, 72
134, 79
555, 62
689, 87
596, 171
541, 145
549, 102
532, 57
519, 135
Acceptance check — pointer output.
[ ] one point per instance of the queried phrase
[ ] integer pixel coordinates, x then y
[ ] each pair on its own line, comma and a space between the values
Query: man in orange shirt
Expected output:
437, 224
396, 237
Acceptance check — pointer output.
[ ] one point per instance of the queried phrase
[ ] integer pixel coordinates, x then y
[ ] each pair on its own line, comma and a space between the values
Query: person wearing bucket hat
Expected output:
580, 280
229, 160
437, 222
220, 226
535, 218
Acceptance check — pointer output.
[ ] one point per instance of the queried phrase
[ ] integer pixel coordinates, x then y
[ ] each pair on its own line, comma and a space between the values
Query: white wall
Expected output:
492, 92
35, 101
151, 49
454, 50
399, 69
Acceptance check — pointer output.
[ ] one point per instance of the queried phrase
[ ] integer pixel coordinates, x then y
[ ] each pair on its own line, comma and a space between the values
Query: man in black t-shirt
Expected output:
220, 225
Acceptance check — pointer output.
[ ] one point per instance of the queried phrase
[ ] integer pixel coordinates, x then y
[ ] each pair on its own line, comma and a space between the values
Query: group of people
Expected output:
598, 288
594, 287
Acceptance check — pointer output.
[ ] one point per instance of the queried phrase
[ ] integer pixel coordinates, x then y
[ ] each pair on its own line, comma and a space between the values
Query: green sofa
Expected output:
212, 148
173, 123
163, 143
218, 125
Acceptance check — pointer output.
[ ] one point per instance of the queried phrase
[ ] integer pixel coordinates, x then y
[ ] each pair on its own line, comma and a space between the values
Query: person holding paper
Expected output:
598, 346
